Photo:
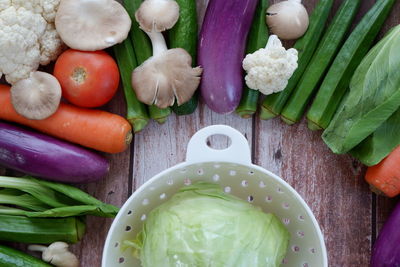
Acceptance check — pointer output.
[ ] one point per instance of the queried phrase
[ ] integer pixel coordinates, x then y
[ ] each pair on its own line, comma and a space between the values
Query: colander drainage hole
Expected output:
301, 218
200, 171
262, 184
250, 198
251, 173
145, 202
121, 260
305, 264
187, 181
284, 261
143, 218
170, 182
279, 190
285, 205
232, 173
128, 228
116, 244
216, 177
312, 250
286, 221
129, 212
245, 183
162, 196
296, 248
227, 189
300, 234
268, 199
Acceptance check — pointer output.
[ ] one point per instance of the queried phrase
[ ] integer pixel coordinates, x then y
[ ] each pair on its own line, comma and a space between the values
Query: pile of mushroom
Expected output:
168, 74
86, 25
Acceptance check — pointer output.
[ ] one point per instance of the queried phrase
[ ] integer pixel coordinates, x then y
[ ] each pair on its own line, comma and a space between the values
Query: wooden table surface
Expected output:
350, 215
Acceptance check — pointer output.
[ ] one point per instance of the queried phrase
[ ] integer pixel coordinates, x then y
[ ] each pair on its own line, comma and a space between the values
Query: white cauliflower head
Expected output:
27, 37
269, 69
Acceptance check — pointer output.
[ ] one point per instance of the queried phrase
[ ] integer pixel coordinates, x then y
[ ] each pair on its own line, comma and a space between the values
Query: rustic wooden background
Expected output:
350, 216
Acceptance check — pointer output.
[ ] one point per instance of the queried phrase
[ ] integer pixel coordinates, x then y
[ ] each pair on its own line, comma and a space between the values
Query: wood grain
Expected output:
332, 185
160, 147
113, 189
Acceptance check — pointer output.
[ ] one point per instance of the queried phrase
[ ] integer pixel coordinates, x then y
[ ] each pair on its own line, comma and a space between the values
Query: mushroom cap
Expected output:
161, 79
91, 25
157, 15
36, 97
288, 19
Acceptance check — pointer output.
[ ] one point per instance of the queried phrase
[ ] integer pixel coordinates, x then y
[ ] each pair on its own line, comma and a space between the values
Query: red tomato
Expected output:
88, 79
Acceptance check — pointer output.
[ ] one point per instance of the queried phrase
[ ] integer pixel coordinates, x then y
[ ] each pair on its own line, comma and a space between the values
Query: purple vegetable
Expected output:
386, 251
221, 51
44, 156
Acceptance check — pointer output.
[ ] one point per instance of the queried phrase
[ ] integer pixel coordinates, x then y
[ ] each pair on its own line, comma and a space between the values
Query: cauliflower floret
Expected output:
269, 69
27, 37
51, 45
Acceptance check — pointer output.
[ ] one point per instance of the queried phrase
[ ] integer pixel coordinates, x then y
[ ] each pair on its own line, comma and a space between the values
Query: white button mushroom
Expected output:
168, 74
288, 19
91, 25
36, 97
57, 254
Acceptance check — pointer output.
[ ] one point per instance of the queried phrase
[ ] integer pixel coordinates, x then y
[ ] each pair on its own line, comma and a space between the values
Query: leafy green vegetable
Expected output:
373, 97
23, 200
203, 226
378, 145
48, 199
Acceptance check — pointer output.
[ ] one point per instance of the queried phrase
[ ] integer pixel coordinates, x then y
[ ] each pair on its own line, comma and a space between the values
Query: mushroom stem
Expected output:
158, 42
39, 248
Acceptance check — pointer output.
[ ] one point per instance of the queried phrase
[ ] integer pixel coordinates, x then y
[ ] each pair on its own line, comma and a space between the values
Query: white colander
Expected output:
232, 169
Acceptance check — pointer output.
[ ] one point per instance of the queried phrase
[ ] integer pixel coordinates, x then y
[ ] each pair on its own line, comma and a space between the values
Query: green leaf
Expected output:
25, 201
49, 199
373, 97
378, 145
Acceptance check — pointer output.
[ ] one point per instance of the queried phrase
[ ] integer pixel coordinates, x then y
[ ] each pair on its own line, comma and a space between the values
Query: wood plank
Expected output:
159, 147
113, 190
332, 185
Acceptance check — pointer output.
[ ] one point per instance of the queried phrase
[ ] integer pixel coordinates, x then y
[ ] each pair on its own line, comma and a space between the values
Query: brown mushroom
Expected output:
91, 25
168, 74
165, 77
36, 97
158, 15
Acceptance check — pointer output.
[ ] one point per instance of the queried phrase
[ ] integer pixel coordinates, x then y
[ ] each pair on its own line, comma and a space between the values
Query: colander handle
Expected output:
237, 152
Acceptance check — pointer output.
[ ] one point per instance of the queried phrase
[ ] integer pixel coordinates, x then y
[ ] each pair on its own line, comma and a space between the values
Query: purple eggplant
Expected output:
47, 157
221, 51
386, 251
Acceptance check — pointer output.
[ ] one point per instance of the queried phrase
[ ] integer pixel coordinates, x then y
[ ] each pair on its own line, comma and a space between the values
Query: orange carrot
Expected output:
385, 176
91, 128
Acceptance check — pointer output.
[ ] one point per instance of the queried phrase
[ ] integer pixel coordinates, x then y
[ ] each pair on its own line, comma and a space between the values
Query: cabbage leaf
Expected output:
203, 226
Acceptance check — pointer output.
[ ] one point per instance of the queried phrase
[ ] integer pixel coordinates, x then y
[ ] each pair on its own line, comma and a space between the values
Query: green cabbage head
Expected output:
201, 226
